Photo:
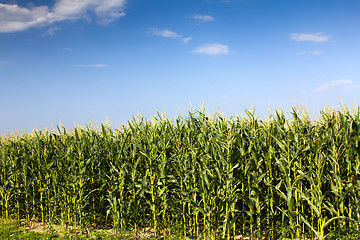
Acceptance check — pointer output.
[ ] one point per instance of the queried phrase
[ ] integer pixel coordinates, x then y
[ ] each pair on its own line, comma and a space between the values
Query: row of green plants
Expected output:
201, 176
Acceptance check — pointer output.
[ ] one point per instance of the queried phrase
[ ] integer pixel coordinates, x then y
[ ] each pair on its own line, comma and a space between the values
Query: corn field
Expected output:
200, 176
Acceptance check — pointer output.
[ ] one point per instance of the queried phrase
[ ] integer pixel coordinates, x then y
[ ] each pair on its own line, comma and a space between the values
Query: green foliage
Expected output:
197, 176
11, 230
345, 234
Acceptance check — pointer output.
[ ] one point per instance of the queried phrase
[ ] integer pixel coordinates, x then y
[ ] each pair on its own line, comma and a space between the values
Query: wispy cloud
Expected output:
203, 18
310, 37
345, 83
14, 18
315, 53
212, 49
50, 32
164, 33
186, 40
91, 65
3, 63
106, 11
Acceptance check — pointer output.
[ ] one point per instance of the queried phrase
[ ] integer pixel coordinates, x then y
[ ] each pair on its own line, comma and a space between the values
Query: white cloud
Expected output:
92, 65
3, 63
212, 49
309, 37
14, 18
50, 32
203, 18
164, 33
329, 85
186, 40
315, 53
106, 11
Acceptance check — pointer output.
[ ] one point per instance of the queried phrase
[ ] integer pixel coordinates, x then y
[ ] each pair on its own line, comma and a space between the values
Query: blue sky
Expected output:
71, 62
